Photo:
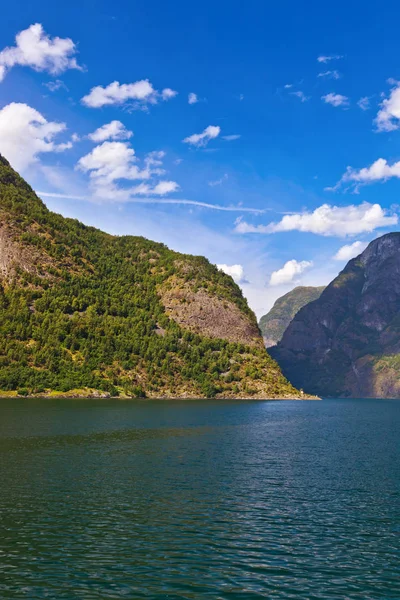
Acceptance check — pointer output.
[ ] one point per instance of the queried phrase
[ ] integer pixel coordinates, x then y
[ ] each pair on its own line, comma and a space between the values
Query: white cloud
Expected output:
289, 271
287, 86
117, 93
364, 103
115, 130
167, 94
33, 48
111, 162
329, 74
327, 220
25, 133
235, 271
301, 95
55, 85
388, 118
193, 98
218, 181
232, 137
201, 139
325, 59
380, 170
335, 99
350, 251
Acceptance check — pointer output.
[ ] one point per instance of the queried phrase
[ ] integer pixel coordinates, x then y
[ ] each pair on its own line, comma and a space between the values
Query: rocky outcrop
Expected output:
273, 324
206, 314
347, 343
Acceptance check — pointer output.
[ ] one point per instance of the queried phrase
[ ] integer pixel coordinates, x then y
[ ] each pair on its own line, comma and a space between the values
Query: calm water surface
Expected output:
110, 499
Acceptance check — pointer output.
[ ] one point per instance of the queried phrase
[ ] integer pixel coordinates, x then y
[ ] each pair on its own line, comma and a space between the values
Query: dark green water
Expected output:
112, 499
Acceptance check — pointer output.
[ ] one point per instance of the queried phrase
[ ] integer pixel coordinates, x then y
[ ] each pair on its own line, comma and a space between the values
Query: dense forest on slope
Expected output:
273, 324
347, 343
121, 315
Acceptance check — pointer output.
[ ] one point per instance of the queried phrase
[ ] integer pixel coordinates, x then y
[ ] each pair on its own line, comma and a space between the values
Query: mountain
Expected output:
347, 343
83, 312
273, 324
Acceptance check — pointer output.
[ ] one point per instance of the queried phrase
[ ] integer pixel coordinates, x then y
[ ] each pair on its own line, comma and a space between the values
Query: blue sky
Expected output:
284, 164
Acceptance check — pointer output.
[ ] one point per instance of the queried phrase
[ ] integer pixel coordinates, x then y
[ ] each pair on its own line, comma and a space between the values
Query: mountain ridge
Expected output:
273, 324
82, 309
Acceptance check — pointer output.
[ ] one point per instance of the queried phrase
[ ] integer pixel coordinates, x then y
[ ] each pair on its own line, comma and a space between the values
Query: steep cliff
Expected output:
347, 343
273, 324
84, 312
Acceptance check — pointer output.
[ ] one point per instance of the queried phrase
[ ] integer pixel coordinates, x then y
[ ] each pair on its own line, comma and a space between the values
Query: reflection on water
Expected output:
108, 499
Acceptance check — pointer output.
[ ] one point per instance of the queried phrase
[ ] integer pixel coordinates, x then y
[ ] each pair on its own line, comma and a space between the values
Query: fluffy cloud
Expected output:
167, 94
193, 98
325, 59
33, 48
115, 130
301, 96
329, 74
201, 139
111, 162
289, 271
25, 133
141, 94
388, 118
235, 271
335, 99
117, 93
328, 220
350, 251
380, 170
364, 103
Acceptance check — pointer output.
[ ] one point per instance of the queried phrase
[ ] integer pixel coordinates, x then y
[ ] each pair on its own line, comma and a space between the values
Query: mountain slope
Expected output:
273, 324
82, 309
347, 343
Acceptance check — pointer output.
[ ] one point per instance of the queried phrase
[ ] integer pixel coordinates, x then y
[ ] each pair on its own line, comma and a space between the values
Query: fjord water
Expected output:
153, 499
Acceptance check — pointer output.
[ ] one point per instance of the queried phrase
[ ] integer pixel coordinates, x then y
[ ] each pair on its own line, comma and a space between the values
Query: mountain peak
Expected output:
346, 342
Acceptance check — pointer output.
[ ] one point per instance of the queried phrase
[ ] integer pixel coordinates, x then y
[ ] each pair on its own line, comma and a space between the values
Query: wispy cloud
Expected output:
329, 57
364, 103
301, 96
218, 181
200, 140
193, 98
329, 74
150, 200
232, 137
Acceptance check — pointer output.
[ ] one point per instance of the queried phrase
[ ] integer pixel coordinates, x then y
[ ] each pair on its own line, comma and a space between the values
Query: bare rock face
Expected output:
347, 343
208, 315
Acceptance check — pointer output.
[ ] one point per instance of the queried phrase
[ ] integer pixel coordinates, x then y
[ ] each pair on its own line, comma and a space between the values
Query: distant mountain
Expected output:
274, 323
83, 312
347, 343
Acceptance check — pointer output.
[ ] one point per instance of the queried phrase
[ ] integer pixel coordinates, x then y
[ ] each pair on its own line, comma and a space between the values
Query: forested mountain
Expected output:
347, 343
120, 315
274, 323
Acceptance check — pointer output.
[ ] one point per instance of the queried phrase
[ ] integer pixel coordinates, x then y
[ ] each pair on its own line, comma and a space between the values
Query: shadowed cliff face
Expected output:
347, 342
